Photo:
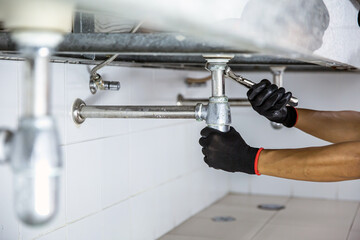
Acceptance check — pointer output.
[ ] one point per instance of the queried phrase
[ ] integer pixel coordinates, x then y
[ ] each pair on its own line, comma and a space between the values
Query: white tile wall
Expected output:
115, 178
117, 222
122, 179
137, 179
83, 179
90, 228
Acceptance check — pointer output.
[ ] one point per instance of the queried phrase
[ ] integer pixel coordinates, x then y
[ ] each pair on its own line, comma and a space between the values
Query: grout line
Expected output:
270, 219
352, 223
64, 149
154, 187
48, 232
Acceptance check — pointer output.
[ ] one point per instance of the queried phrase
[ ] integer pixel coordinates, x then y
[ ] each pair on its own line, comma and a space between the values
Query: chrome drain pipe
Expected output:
33, 150
80, 112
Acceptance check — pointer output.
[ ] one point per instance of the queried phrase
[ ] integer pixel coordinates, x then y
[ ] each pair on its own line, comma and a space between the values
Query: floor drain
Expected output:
271, 207
223, 219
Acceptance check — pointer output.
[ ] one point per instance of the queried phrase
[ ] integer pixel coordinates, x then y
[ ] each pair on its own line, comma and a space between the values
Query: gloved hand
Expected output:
270, 101
228, 151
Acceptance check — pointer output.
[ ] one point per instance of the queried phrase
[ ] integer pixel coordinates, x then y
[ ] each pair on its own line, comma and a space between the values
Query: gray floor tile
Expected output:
251, 200
250, 213
206, 228
179, 237
302, 219
295, 232
354, 235
356, 225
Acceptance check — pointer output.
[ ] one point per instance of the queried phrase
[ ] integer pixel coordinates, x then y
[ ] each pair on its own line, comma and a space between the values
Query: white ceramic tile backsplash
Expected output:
137, 179
115, 181
90, 228
9, 226
83, 179
59, 234
117, 222
122, 179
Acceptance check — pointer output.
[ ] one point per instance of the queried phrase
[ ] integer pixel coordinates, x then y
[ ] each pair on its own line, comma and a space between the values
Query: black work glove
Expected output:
228, 151
270, 101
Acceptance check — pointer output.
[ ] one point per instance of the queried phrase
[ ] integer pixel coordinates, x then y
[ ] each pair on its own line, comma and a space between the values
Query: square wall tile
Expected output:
349, 190
183, 199
315, 190
270, 185
195, 187
9, 94
144, 152
165, 210
117, 222
115, 169
143, 213
83, 179
9, 225
240, 183
89, 228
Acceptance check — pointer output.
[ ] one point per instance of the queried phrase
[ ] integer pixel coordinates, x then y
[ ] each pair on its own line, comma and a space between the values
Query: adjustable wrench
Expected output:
248, 83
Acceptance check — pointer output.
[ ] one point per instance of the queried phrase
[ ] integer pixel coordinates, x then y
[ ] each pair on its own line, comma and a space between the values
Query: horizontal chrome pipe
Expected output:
81, 111
234, 102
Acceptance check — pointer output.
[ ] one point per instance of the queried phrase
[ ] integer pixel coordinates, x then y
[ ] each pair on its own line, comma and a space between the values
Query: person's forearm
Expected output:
335, 162
334, 127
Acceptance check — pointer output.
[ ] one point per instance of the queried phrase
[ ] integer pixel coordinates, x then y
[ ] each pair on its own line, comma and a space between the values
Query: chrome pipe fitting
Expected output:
278, 73
36, 165
218, 110
234, 102
97, 83
218, 114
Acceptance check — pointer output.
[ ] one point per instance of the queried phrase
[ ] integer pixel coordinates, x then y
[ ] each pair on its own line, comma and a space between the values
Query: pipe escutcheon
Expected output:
76, 109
